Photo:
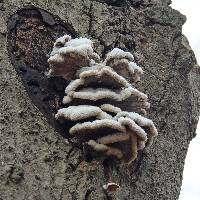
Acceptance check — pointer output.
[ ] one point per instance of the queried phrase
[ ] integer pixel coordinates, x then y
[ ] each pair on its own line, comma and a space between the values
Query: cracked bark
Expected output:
36, 162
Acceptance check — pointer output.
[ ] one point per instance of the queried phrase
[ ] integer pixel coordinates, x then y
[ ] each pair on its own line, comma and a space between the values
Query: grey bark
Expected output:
36, 163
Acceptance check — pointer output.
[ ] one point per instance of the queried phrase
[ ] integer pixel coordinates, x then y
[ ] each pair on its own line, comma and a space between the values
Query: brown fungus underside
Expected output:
102, 127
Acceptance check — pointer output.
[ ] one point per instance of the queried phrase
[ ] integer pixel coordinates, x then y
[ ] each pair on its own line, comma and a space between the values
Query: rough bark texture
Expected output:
36, 162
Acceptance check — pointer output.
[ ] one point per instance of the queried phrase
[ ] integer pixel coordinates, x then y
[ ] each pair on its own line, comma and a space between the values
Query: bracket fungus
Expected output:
111, 188
98, 99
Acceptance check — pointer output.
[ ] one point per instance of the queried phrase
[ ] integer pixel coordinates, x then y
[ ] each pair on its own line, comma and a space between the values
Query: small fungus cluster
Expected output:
97, 96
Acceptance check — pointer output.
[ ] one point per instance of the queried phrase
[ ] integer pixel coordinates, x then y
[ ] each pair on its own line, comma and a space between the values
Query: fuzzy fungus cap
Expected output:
123, 63
85, 127
111, 188
142, 122
81, 112
69, 55
117, 53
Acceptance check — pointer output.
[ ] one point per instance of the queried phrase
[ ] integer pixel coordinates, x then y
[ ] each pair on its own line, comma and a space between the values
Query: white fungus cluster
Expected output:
94, 97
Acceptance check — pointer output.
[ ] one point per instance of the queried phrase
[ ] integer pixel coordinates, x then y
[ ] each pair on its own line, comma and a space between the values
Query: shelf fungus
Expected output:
103, 105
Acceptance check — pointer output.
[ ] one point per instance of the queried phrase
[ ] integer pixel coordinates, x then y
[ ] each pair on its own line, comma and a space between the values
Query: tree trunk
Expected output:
36, 161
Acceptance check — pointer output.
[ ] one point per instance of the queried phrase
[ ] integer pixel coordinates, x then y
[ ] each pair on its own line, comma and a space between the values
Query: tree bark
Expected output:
36, 161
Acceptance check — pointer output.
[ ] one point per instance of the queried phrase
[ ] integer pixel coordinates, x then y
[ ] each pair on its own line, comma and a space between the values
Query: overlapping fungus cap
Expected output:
120, 136
100, 82
123, 63
69, 55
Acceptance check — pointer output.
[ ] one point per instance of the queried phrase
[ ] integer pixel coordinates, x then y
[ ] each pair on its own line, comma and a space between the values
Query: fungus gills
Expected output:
101, 88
